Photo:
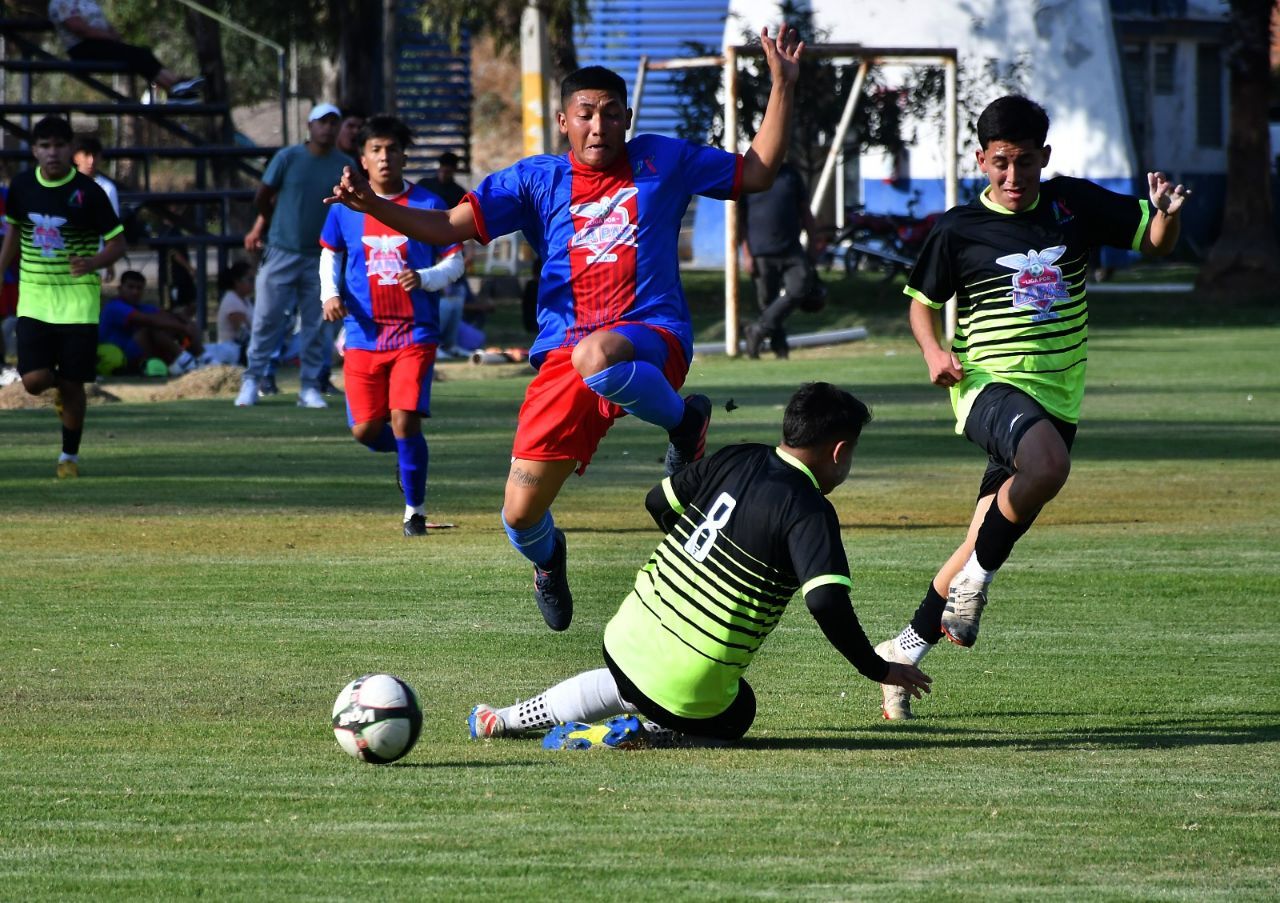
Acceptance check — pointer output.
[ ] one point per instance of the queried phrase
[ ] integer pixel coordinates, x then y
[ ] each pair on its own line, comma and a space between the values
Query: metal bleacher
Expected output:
214, 205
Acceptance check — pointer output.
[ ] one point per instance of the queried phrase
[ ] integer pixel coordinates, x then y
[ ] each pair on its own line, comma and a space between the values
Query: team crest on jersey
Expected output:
47, 235
1037, 284
608, 225
383, 258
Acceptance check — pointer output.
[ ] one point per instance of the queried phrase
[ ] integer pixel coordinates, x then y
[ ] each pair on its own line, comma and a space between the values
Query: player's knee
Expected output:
34, 383
367, 433
589, 358
520, 518
1048, 475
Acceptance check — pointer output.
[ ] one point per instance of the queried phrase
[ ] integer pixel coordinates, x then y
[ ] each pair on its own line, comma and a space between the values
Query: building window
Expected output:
1164, 60
1209, 95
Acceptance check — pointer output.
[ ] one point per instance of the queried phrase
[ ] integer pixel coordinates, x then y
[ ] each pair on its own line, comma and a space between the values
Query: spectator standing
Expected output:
291, 213
784, 273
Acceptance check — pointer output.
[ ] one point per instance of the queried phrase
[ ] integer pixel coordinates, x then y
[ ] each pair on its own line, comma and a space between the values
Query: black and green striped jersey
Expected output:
56, 221
745, 528
1019, 282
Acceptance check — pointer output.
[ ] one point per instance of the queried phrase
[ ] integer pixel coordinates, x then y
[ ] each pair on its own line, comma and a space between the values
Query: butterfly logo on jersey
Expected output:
608, 225
383, 258
47, 235
1037, 284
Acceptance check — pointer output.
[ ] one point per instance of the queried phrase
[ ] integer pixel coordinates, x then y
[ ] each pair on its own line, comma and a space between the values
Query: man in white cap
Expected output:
291, 213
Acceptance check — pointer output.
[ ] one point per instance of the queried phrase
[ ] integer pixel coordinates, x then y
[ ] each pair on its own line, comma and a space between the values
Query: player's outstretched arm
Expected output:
1165, 227
432, 227
760, 163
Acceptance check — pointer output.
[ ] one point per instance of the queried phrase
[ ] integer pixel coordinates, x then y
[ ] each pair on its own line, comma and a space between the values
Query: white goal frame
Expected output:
865, 57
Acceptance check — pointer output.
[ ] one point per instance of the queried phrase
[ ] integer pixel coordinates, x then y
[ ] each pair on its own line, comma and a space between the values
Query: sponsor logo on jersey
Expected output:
1037, 284
47, 234
608, 225
77, 198
383, 258
644, 167
1061, 212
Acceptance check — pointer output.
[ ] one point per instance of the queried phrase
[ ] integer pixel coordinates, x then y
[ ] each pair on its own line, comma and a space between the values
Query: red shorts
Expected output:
379, 382
561, 419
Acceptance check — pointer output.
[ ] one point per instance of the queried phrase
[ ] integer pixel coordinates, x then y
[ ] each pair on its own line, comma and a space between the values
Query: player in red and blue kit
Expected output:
390, 312
614, 334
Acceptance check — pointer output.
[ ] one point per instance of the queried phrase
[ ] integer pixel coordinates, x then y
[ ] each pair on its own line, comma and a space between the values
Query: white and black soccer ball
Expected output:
377, 718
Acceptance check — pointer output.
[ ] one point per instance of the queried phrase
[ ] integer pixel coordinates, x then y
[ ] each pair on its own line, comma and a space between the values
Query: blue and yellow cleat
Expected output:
619, 732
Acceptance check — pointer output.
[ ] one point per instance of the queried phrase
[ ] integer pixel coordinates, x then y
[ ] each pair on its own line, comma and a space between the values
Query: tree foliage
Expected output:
500, 20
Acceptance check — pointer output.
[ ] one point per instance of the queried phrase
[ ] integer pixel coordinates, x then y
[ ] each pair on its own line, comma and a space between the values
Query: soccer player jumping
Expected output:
614, 333
1016, 260
391, 314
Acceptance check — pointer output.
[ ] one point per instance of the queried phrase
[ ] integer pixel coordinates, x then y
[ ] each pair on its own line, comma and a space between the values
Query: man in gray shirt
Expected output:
291, 213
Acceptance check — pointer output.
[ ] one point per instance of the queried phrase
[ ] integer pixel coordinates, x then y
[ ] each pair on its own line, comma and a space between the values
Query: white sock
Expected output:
911, 645
411, 510
66, 457
589, 697
975, 571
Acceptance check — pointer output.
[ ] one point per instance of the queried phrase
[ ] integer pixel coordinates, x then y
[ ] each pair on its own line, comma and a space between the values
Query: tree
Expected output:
1245, 260
500, 20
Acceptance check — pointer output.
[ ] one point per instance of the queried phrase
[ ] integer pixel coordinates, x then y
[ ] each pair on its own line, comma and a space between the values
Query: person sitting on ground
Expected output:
745, 529
83, 28
144, 331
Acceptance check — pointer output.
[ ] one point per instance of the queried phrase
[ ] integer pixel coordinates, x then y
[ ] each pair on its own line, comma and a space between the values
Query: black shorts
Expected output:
70, 350
731, 724
999, 418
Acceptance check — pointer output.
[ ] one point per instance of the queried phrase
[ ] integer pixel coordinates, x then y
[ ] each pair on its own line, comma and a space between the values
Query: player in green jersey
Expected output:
745, 529
66, 231
1016, 259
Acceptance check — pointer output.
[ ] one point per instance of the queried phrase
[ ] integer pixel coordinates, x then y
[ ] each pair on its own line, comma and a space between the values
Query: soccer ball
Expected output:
377, 718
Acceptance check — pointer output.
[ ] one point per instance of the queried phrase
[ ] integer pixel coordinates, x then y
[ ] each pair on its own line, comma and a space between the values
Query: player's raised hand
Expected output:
1165, 196
782, 53
352, 191
909, 677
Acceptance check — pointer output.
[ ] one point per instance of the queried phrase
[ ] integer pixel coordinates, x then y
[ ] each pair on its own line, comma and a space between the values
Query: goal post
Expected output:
864, 57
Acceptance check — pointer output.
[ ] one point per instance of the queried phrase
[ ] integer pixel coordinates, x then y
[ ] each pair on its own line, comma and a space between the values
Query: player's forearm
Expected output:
830, 607
430, 227
112, 251
761, 162
926, 328
1163, 233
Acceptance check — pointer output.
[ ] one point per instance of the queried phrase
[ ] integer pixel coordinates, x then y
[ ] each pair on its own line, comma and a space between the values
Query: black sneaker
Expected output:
753, 338
328, 388
416, 525
267, 386
551, 587
689, 439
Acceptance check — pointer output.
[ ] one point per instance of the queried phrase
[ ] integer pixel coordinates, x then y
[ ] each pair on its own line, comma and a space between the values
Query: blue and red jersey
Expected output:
381, 315
608, 239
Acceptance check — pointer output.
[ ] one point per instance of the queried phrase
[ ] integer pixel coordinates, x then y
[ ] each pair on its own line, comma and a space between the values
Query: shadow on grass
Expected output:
1174, 733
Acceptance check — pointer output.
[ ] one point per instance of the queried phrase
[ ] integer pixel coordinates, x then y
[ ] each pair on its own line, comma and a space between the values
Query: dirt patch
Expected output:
15, 398
208, 382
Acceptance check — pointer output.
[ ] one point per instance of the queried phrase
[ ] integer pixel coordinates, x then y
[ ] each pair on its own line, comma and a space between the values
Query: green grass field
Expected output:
175, 625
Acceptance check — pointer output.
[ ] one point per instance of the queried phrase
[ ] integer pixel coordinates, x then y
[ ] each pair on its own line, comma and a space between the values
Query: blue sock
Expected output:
640, 389
413, 468
537, 543
386, 441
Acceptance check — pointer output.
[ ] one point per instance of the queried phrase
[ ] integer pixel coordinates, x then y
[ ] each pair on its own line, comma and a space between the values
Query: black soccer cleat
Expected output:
416, 525
551, 587
689, 439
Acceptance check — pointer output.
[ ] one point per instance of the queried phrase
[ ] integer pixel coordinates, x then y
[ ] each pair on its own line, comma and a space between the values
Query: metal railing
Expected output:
281, 58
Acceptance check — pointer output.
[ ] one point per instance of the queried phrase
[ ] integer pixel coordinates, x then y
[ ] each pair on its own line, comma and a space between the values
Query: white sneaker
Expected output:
966, 599
248, 396
897, 700
184, 363
9, 376
310, 397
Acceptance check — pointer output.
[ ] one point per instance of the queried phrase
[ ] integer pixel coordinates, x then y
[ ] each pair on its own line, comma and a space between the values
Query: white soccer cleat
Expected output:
897, 700
966, 598
484, 722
